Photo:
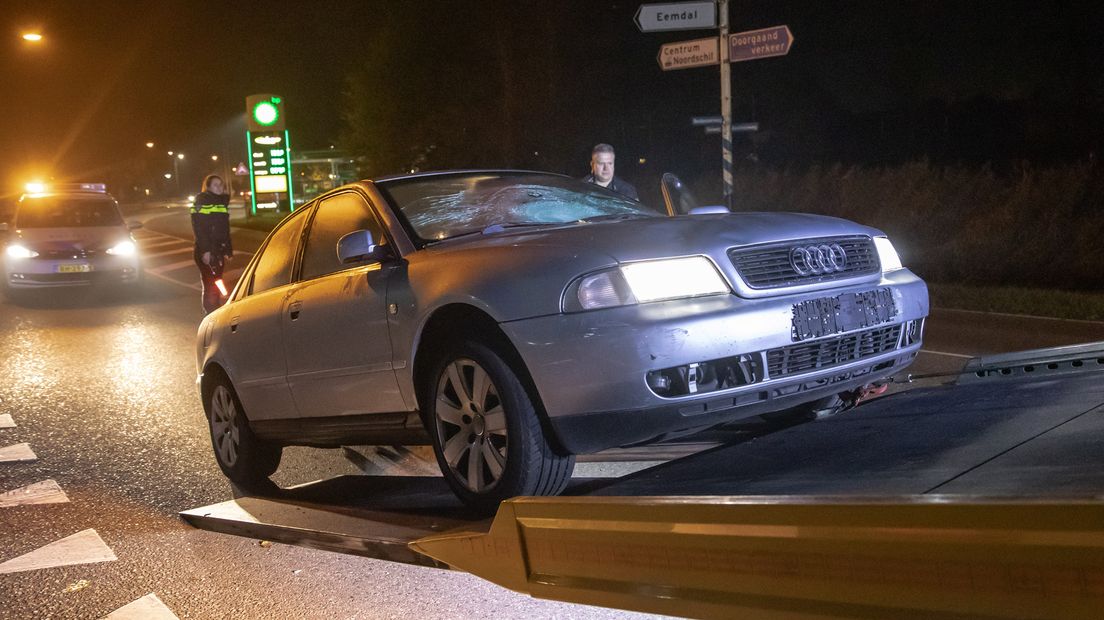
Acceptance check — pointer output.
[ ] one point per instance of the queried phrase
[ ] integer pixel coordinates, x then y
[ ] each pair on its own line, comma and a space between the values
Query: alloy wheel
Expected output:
471, 425
224, 425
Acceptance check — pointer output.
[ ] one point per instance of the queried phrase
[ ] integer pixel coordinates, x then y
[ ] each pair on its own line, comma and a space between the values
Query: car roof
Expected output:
80, 195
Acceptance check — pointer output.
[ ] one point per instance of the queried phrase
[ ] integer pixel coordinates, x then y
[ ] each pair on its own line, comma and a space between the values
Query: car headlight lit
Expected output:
887, 255
123, 248
18, 251
673, 278
646, 281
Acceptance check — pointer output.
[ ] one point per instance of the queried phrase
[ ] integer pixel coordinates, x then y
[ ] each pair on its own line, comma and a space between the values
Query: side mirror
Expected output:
134, 225
359, 246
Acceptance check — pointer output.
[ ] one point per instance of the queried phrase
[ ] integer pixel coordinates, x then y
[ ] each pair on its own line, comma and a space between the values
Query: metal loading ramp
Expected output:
933, 502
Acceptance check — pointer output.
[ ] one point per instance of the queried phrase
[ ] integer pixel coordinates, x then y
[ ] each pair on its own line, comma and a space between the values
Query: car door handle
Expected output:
234, 324
293, 310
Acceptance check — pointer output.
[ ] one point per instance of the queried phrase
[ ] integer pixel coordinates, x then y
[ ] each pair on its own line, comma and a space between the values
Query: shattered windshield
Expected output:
440, 207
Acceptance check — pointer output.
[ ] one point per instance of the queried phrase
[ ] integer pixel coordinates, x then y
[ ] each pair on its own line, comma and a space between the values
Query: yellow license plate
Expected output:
74, 268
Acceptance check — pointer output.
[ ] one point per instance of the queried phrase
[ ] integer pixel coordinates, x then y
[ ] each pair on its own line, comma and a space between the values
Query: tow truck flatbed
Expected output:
1021, 428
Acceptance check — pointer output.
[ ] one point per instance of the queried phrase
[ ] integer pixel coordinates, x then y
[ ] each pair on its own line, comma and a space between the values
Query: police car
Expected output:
68, 235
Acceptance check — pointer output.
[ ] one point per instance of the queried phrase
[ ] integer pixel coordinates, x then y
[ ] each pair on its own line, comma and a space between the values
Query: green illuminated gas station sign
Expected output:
266, 113
270, 180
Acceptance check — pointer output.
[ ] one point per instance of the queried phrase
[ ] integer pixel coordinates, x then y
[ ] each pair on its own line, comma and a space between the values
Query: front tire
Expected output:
486, 432
243, 457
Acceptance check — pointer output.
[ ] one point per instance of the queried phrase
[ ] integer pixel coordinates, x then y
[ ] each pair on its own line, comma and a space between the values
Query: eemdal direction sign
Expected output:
676, 16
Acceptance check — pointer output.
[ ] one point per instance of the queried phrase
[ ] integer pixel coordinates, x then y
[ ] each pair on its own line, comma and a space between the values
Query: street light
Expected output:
149, 145
214, 158
33, 37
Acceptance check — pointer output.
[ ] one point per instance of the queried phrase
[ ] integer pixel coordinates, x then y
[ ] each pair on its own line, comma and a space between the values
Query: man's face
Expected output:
601, 166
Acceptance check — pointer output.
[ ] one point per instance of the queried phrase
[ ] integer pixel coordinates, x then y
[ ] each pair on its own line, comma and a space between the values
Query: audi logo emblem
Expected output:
818, 259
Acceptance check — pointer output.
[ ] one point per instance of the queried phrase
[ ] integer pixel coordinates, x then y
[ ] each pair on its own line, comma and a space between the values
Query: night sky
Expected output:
536, 85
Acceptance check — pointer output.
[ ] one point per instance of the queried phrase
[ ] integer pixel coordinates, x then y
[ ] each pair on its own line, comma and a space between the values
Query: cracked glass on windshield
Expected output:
440, 207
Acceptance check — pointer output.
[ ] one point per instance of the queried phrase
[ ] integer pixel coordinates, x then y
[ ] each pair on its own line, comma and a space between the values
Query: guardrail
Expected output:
795, 557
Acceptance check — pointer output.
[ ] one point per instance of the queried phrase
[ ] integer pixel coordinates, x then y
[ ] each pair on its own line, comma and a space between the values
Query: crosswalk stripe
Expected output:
192, 285
168, 252
45, 492
85, 547
173, 266
149, 607
6, 421
19, 453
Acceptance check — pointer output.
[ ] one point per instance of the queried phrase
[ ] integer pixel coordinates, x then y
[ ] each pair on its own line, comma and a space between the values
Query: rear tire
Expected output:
243, 457
486, 432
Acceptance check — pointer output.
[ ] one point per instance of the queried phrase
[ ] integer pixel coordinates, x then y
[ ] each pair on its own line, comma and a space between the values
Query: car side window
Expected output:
336, 217
274, 267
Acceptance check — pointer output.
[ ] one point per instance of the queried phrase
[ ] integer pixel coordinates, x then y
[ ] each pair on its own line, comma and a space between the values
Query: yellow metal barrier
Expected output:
790, 557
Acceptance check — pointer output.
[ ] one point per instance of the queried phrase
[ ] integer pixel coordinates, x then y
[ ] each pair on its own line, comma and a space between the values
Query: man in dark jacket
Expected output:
213, 249
601, 172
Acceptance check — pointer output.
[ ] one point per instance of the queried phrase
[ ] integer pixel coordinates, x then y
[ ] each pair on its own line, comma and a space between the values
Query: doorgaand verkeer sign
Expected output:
762, 43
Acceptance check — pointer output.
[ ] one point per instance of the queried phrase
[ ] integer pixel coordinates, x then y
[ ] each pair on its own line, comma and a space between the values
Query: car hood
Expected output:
61, 239
523, 272
660, 237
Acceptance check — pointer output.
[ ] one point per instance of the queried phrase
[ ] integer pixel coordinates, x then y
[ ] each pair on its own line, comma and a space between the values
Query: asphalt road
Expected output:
101, 388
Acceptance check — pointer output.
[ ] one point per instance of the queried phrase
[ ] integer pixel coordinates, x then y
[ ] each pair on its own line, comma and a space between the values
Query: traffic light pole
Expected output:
726, 102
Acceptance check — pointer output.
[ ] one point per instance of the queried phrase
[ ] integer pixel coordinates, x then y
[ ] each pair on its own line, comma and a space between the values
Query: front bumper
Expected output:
34, 273
591, 368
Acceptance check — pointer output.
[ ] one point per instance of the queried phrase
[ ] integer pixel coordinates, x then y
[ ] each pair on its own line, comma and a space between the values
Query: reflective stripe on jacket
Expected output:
209, 209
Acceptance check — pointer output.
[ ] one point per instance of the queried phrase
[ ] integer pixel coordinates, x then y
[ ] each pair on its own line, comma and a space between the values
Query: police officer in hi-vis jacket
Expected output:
211, 226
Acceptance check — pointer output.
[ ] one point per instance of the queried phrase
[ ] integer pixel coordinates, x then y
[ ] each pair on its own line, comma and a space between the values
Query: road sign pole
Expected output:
726, 102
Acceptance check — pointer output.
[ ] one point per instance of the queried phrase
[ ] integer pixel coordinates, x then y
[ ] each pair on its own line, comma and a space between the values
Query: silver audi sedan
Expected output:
516, 319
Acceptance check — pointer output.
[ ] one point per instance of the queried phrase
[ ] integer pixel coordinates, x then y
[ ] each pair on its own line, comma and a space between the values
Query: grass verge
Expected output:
264, 222
1016, 300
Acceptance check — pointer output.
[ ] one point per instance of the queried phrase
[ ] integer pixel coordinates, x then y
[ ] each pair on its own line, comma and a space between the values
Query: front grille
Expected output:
768, 266
798, 358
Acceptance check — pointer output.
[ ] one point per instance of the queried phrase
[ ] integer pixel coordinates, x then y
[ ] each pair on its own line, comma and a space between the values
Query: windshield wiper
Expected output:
613, 216
497, 227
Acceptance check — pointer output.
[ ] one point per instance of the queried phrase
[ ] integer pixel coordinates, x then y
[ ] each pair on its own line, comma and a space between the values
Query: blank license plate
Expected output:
832, 315
84, 268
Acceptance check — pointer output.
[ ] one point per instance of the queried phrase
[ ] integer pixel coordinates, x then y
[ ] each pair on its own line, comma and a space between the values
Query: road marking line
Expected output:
159, 243
19, 453
169, 252
172, 266
969, 357
149, 607
84, 547
6, 421
45, 492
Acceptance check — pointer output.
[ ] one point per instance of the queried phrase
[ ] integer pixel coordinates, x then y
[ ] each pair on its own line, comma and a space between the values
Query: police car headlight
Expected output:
18, 251
123, 248
887, 254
